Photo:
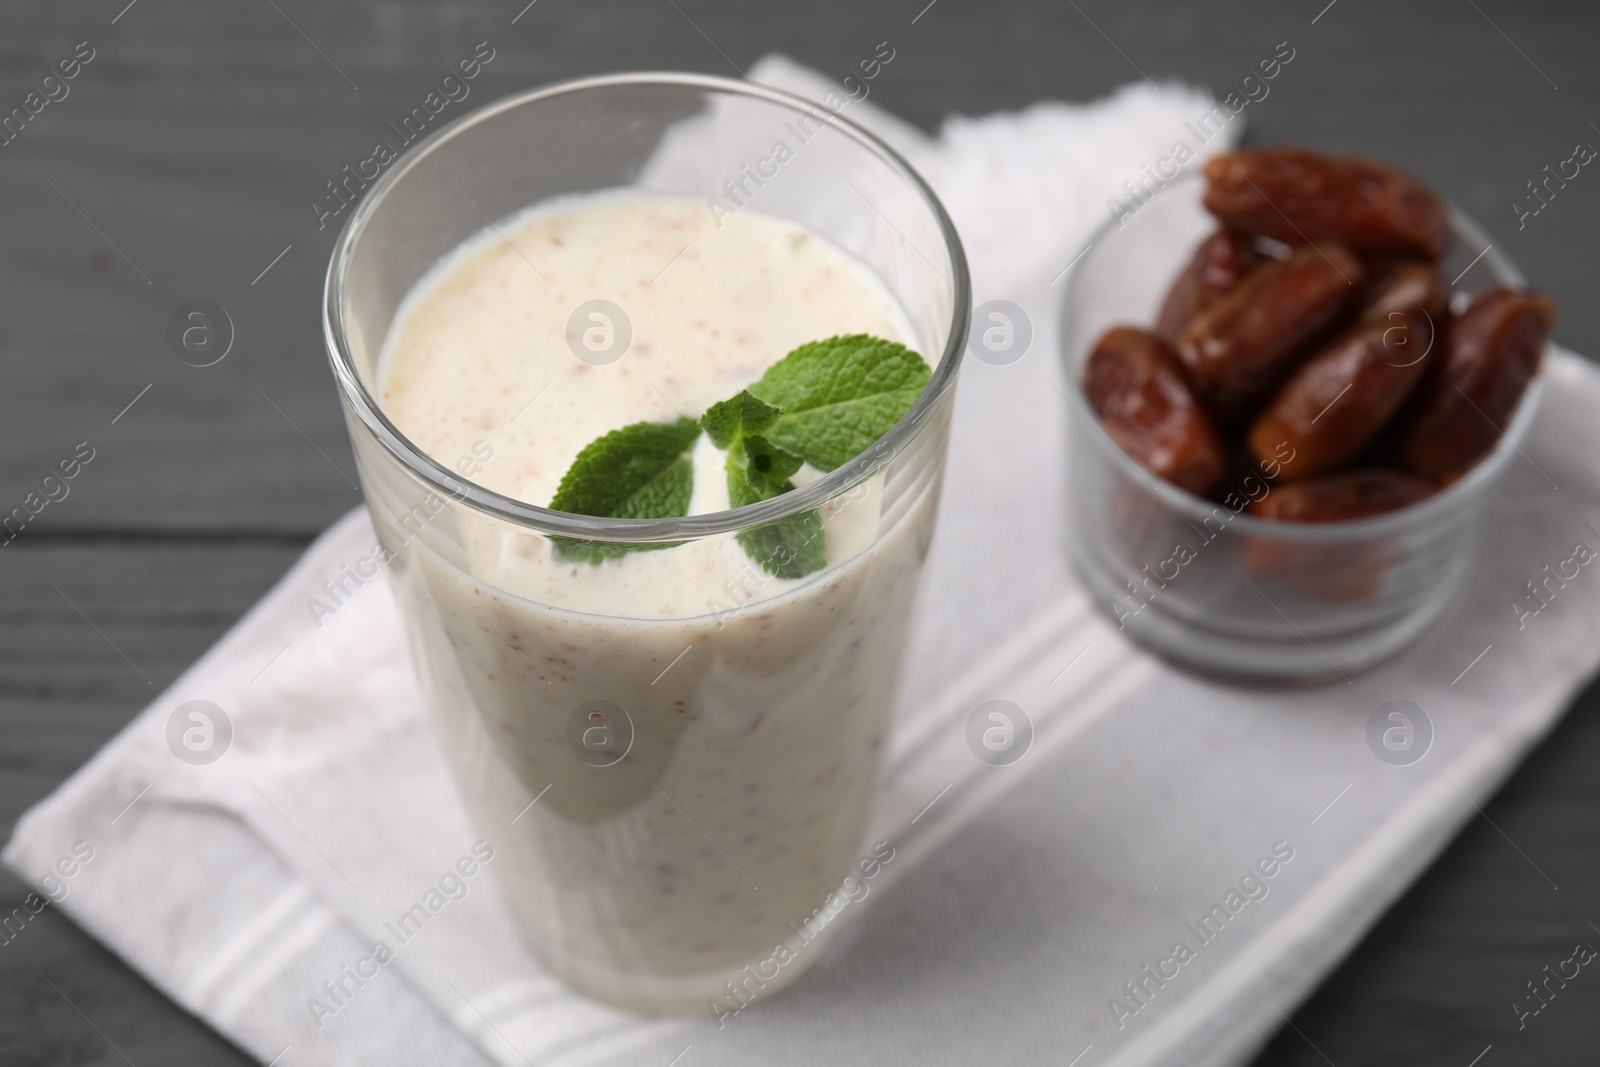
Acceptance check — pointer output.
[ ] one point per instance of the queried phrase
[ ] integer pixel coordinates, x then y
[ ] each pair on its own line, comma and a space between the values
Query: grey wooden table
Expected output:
180, 163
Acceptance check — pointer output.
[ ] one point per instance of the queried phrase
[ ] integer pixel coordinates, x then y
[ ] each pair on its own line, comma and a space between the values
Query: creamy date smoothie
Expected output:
648, 379
674, 751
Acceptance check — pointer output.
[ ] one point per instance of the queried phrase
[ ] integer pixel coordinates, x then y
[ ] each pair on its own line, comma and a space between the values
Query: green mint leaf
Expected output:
632, 473
840, 395
728, 420
642, 471
791, 547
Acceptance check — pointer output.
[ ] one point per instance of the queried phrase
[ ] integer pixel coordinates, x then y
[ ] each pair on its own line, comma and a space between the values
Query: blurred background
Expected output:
181, 164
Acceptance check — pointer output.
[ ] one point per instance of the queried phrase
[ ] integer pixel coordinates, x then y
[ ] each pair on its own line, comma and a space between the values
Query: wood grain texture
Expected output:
183, 161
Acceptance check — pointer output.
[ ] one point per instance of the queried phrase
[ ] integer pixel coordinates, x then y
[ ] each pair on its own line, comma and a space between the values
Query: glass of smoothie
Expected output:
671, 739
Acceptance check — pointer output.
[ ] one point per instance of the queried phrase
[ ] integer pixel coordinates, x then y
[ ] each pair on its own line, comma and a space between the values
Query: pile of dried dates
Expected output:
1311, 340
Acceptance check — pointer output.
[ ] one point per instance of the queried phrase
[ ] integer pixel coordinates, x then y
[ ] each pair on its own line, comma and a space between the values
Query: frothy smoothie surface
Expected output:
480, 361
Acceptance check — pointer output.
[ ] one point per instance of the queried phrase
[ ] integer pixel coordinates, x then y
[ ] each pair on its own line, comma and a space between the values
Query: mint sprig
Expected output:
823, 404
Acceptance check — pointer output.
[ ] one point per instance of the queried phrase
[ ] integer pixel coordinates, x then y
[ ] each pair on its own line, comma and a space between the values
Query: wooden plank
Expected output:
104, 626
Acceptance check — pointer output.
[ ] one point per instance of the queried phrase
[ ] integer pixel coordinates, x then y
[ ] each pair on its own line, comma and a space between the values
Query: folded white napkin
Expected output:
1031, 912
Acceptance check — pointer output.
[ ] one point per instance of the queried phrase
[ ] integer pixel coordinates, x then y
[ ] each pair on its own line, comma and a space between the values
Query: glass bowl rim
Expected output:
442, 480
1436, 506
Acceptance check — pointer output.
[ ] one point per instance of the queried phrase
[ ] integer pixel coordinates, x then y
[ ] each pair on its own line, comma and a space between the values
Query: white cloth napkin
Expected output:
1022, 900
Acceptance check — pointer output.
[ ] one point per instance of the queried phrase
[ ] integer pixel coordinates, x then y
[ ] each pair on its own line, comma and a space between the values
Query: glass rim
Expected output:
1453, 496
814, 494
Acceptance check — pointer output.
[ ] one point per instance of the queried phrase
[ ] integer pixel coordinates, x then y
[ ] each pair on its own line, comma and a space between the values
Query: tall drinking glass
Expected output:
675, 800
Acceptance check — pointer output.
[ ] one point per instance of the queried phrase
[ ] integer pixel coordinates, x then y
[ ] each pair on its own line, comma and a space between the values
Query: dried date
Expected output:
1218, 265
1298, 196
1490, 353
1136, 387
1336, 403
1240, 348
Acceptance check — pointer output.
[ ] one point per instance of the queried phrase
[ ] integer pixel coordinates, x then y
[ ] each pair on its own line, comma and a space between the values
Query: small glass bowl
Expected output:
1206, 585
